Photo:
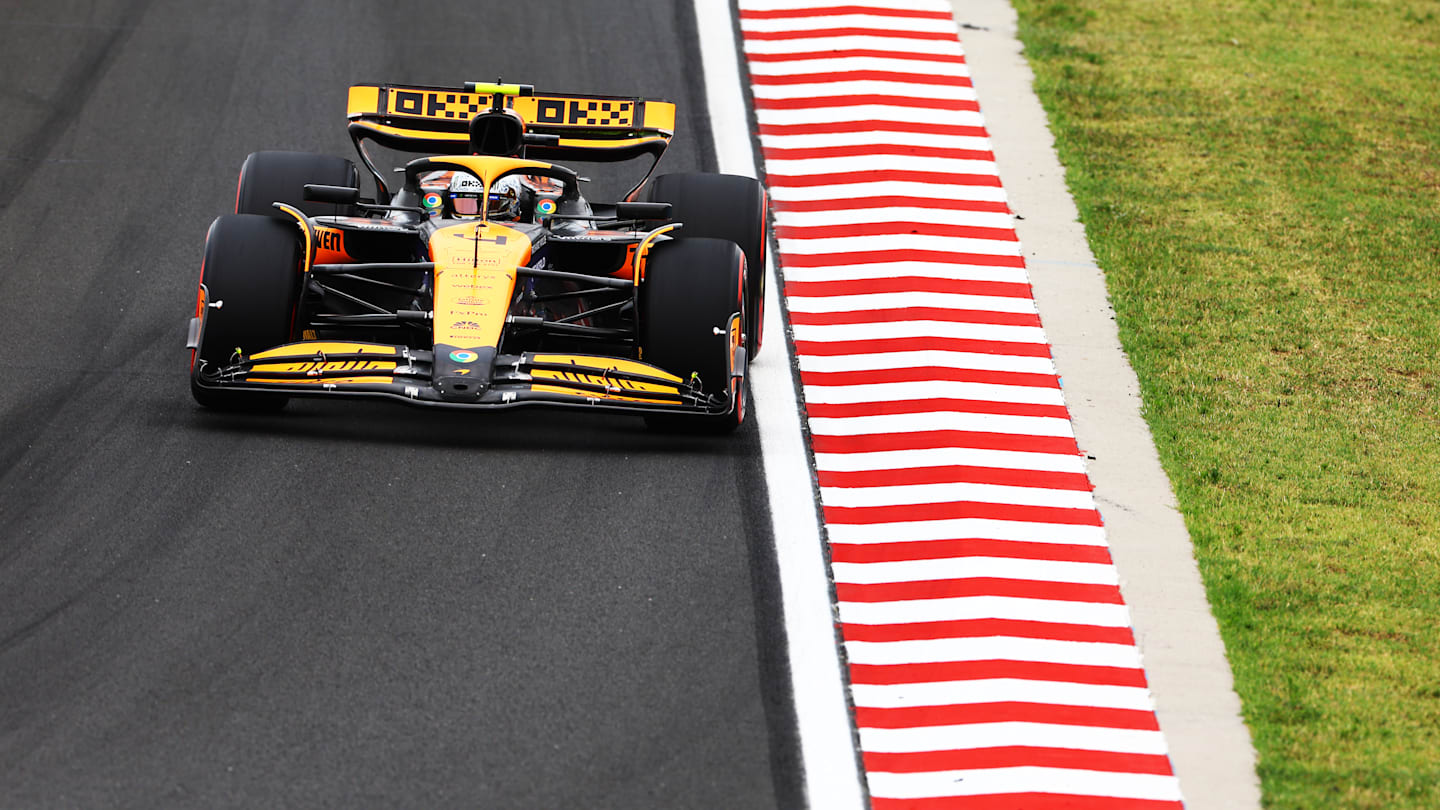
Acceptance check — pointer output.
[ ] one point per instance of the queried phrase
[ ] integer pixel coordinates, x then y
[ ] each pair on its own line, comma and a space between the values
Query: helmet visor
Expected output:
466, 206
502, 202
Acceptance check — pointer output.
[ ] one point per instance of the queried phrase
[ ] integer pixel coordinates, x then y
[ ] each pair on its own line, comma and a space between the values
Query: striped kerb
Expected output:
991, 659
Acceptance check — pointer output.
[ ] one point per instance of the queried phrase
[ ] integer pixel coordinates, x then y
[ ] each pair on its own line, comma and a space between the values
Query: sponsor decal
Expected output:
329, 365
329, 239
485, 282
585, 112
549, 110
544, 208
467, 257
498, 238
466, 183
432, 200
463, 356
614, 385
467, 326
440, 105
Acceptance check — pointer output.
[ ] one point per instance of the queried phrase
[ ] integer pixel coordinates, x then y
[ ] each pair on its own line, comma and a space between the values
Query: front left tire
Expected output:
270, 177
692, 308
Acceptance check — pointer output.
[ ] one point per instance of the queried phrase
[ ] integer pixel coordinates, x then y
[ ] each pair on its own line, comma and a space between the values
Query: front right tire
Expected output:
251, 274
723, 206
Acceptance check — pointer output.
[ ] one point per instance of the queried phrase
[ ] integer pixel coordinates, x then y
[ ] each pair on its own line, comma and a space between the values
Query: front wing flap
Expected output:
329, 368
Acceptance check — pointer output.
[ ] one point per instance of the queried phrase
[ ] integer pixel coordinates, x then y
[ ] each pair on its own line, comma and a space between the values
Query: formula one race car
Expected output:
485, 279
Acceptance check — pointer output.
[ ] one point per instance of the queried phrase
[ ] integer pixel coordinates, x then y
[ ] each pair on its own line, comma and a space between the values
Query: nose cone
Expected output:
463, 375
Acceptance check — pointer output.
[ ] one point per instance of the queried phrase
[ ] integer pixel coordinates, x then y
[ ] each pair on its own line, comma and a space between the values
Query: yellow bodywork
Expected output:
438, 118
475, 281
592, 371
314, 363
547, 110
592, 364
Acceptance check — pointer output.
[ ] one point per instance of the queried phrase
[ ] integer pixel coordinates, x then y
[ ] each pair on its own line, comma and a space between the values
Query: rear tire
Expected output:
724, 206
691, 290
252, 271
271, 177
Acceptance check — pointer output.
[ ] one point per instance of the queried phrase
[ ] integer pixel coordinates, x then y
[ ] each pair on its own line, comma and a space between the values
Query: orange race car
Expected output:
484, 279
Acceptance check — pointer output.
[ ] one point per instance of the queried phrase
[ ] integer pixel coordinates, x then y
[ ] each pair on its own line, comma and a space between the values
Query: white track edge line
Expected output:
824, 728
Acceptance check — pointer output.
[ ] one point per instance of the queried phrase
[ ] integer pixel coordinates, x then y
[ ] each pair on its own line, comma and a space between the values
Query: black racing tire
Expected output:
251, 275
724, 206
271, 177
690, 291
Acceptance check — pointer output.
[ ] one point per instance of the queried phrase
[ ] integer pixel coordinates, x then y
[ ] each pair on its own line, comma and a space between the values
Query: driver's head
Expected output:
464, 197
505, 198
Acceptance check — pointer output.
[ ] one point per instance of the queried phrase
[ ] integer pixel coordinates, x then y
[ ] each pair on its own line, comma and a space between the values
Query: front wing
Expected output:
345, 368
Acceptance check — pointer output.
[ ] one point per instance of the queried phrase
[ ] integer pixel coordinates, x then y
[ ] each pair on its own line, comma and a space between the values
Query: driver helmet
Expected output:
505, 198
465, 191
462, 199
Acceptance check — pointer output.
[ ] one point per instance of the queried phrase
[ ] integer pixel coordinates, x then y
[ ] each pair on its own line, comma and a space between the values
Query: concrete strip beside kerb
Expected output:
1184, 658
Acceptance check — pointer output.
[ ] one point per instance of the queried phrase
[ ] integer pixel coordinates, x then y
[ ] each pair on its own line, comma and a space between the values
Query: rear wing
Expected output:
573, 126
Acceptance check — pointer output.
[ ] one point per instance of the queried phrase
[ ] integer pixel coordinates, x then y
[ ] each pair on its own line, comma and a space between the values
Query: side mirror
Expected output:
642, 210
340, 195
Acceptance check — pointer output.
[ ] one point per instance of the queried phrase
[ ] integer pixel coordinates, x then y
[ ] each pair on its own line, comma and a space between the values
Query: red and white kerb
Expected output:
992, 663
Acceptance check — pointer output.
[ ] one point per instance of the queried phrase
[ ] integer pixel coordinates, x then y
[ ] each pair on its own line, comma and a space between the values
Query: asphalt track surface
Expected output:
348, 604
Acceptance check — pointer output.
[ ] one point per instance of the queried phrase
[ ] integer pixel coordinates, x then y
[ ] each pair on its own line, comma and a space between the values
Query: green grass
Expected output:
1260, 181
